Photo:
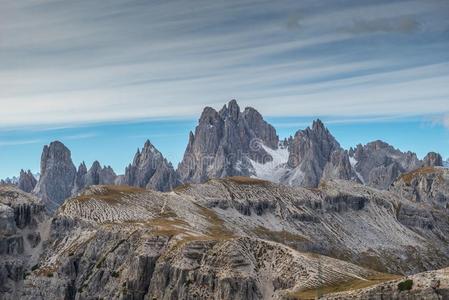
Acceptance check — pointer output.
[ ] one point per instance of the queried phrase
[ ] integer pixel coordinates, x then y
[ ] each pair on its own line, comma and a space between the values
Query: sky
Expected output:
104, 76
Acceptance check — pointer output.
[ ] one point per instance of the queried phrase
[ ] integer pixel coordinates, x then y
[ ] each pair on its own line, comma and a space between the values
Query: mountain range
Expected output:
244, 216
230, 142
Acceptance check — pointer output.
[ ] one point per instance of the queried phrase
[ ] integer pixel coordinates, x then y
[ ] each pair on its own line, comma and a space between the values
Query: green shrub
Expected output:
115, 274
35, 267
405, 285
50, 274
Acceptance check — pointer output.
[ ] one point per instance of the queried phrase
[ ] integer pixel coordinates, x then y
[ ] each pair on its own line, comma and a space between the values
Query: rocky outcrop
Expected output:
27, 182
22, 228
58, 174
427, 285
433, 159
424, 185
59, 178
233, 238
9, 181
224, 143
379, 164
151, 170
80, 182
315, 154
95, 176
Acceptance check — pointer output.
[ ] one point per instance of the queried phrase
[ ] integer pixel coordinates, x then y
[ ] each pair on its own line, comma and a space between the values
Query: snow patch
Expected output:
272, 170
353, 162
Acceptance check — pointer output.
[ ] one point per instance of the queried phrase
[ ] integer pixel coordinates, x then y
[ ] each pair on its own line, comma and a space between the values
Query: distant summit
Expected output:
150, 169
59, 178
224, 142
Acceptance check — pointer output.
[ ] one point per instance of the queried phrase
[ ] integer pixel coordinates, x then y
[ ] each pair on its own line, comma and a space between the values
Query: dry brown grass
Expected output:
181, 188
344, 286
111, 194
408, 177
216, 230
247, 180
283, 237
167, 227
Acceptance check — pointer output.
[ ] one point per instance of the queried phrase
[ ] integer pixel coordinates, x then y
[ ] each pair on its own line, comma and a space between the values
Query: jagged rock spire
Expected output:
27, 182
150, 170
57, 175
224, 142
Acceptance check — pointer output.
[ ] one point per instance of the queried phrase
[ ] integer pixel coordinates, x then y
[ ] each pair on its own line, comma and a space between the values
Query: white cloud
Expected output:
80, 136
19, 142
96, 61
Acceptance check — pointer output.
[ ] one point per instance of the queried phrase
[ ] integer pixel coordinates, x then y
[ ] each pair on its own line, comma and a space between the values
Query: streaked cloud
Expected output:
5, 143
442, 119
78, 62
80, 136
405, 24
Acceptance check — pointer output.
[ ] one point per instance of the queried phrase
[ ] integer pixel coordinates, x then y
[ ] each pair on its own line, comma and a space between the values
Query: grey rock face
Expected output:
432, 285
224, 142
433, 159
315, 154
227, 239
22, 219
80, 178
10, 181
379, 164
95, 176
59, 178
27, 182
150, 170
58, 174
425, 185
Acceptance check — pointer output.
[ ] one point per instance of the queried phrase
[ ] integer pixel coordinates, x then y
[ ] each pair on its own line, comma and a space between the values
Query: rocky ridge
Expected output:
239, 238
94, 176
231, 142
24, 228
59, 179
428, 285
379, 164
427, 185
314, 154
151, 170
224, 143
57, 175
27, 182
433, 159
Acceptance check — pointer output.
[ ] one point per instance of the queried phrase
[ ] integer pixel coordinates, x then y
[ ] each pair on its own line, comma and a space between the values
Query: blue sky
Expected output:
97, 69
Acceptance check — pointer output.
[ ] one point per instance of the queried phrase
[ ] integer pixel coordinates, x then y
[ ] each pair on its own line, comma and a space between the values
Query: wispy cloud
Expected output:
99, 61
345, 120
19, 142
80, 136
442, 119
407, 24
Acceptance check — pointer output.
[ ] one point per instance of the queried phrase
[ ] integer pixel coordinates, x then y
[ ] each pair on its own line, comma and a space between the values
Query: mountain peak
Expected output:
231, 110
318, 124
315, 154
27, 182
57, 175
150, 170
433, 159
224, 142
